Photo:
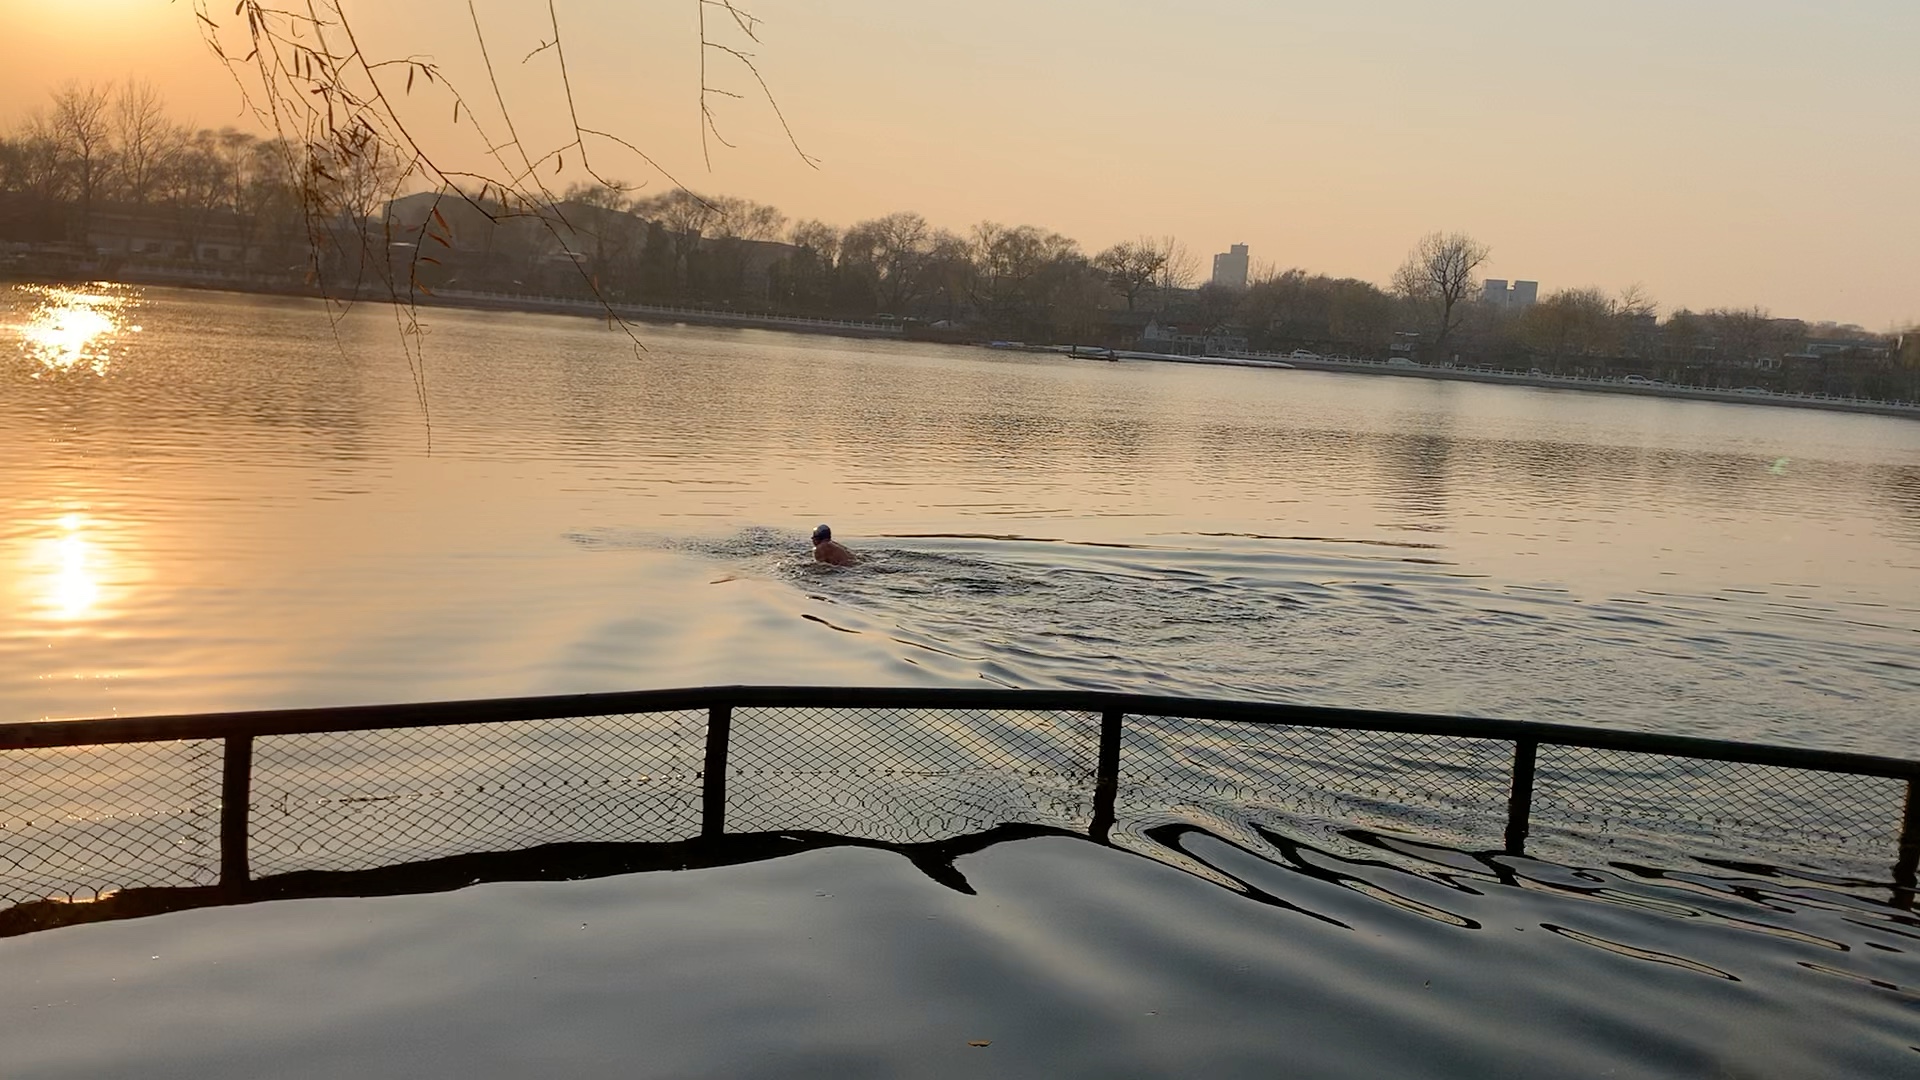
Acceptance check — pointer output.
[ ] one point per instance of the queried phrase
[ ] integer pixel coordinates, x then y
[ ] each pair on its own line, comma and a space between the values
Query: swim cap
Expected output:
822, 533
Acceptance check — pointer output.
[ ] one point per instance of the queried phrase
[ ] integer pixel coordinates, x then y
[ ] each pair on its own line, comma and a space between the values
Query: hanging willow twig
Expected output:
350, 150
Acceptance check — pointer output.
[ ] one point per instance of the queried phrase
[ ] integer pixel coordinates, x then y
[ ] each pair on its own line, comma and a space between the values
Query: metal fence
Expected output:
227, 801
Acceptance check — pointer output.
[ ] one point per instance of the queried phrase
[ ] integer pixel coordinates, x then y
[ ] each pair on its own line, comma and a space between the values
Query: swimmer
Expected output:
827, 550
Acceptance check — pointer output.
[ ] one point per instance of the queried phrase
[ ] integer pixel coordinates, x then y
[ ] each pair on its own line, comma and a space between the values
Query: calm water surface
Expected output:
212, 501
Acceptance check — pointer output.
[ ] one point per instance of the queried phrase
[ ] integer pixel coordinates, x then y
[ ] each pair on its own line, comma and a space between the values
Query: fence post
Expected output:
1904, 871
713, 809
1106, 774
236, 791
1520, 799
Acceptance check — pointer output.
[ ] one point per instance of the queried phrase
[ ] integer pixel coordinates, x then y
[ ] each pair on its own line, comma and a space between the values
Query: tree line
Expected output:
98, 151
685, 247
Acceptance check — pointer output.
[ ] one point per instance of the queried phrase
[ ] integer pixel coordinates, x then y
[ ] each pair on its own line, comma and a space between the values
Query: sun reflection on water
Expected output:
74, 329
67, 565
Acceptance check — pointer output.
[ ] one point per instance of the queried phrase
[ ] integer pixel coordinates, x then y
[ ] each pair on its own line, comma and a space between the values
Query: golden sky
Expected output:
1718, 152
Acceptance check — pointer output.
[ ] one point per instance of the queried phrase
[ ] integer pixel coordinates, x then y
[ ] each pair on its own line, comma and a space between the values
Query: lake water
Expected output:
211, 501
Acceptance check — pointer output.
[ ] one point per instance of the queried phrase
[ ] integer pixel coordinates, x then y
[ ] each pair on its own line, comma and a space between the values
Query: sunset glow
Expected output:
1686, 149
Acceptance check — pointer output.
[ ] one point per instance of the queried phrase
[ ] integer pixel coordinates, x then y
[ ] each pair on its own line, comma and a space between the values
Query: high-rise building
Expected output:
1521, 295
1230, 267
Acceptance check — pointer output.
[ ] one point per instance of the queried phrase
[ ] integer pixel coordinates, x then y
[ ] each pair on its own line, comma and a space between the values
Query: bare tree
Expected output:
143, 139
1636, 315
607, 195
685, 218
1750, 335
1360, 316
13, 166
194, 189
1014, 271
735, 218
272, 204
680, 210
817, 237
42, 168
1572, 322
1636, 303
80, 124
897, 246
1438, 276
949, 275
1132, 267
1181, 268
347, 183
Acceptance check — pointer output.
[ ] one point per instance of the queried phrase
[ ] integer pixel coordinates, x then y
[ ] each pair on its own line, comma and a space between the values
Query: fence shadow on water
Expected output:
127, 817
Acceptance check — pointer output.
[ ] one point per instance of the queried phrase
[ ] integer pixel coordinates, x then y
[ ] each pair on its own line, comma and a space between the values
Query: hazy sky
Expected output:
1719, 152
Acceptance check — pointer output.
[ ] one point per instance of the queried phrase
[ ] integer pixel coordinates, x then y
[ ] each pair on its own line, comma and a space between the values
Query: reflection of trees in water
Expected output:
1037, 440
1897, 488
598, 402
1415, 469
1409, 471
308, 382
1550, 473
869, 413
1422, 471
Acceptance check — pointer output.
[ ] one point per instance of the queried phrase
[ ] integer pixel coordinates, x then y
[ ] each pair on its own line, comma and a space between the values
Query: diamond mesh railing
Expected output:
1591, 799
80, 822
908, 775
1437, 784
359, 799
88, 808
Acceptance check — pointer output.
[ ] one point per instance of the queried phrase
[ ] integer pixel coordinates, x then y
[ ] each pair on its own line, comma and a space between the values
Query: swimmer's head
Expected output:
822, 534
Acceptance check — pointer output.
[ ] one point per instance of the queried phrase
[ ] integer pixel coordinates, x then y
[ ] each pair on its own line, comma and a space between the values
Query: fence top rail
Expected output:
69, 733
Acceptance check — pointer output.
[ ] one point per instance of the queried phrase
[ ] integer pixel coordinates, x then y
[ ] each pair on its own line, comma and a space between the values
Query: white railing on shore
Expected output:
1621, 381
677, 312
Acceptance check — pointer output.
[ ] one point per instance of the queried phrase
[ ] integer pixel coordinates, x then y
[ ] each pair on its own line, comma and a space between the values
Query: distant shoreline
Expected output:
1301, 361
487, 301
1498, 377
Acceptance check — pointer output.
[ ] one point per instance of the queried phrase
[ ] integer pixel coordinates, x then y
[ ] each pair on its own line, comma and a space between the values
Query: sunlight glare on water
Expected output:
69, 570
76, 329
